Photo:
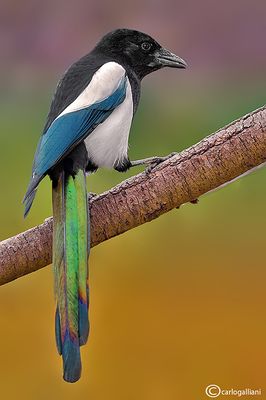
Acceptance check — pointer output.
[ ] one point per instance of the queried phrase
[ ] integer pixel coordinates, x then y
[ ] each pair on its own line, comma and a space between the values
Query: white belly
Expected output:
107, 145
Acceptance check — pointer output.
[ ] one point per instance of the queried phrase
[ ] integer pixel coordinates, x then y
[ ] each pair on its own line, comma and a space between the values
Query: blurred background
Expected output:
178, 303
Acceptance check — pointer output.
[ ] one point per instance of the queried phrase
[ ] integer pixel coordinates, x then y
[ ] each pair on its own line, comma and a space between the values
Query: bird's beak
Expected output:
165, 58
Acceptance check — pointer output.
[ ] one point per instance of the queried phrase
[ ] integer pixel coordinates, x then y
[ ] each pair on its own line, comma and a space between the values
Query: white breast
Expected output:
107, 145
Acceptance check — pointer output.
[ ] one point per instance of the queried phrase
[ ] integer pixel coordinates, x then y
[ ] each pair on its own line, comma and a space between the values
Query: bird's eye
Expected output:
146, 46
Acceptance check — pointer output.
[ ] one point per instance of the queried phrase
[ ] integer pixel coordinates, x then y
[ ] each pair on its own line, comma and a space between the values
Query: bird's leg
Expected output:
151, 162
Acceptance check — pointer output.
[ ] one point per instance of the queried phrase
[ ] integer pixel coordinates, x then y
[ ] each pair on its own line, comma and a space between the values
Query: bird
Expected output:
87, 128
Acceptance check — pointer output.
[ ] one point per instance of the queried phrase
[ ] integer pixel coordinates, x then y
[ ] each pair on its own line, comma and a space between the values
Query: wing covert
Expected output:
71, 128
104, 93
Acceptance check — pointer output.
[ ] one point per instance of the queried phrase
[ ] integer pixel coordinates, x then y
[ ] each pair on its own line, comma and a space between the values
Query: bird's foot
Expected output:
158, 160
152, 162
91, 195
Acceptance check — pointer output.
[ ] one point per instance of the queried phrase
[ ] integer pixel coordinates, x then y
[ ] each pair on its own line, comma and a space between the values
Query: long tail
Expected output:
70, 260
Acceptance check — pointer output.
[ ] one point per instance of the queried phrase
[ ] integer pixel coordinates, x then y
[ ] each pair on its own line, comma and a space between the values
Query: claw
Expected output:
91, 195
158, 160
151, 166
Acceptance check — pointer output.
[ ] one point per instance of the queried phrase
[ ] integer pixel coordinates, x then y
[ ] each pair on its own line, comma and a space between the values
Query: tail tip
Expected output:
71, 361
71, 377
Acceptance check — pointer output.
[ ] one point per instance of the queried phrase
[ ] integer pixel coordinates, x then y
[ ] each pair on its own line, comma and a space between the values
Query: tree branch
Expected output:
216, 160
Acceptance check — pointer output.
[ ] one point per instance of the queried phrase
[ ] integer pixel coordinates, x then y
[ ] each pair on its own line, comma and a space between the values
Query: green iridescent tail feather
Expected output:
70, 259
83, 251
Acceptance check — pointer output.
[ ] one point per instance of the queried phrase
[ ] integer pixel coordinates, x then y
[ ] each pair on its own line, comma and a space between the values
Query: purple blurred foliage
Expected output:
40, 37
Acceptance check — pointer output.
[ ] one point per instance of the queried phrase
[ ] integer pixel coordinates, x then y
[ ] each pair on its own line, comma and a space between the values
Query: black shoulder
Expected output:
72, 83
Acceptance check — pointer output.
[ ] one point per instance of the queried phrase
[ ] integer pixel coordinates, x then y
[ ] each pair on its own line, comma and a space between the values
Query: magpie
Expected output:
87, 128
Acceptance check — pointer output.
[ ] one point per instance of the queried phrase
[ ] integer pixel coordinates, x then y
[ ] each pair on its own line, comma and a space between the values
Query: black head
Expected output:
137, 50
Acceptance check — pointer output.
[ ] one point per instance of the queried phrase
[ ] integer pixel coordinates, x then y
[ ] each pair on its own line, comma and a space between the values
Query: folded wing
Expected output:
105, 92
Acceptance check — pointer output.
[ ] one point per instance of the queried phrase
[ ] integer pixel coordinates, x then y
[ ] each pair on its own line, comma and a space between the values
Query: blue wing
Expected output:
66, 132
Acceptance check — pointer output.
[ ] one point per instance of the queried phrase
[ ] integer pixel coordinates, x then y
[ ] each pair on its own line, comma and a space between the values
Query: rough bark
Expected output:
216, 160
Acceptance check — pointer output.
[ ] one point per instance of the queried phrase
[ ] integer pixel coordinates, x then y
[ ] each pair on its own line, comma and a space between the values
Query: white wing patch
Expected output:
104, 82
